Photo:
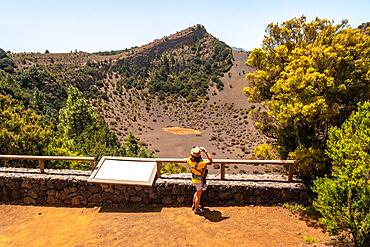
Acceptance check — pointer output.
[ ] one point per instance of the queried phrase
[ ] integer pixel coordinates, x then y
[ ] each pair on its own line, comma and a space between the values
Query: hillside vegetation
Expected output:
186, 71
50, 103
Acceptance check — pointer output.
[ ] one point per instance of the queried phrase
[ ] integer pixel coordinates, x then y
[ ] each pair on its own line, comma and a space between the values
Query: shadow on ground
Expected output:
214, 215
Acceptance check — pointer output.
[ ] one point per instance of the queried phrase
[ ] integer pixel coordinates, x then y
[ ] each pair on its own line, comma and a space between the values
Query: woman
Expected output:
198, 169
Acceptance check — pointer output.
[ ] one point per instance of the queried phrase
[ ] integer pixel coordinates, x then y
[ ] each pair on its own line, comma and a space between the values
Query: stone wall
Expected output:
70, 188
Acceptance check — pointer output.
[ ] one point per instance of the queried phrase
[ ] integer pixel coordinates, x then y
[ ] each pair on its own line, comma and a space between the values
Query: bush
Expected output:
173, 168
266, 152
6, 63
344, 199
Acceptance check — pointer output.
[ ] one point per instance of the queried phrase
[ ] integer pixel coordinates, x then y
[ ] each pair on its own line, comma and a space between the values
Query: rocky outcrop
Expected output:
70, 188
142, 56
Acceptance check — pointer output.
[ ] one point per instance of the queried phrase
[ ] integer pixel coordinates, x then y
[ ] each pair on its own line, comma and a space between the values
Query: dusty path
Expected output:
226, 226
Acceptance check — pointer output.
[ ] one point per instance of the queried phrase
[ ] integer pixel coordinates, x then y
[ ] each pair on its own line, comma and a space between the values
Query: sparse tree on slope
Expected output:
76, 115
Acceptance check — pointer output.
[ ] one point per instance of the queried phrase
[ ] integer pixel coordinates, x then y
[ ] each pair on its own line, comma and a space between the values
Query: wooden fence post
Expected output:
93, 165
290, 174
159, 165
42, 166
222, 171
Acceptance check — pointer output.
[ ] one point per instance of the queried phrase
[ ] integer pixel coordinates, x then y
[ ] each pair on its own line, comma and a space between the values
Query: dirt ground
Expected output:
220, 226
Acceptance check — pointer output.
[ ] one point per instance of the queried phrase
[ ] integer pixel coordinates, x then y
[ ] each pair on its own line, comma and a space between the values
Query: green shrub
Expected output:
173, 168
295, 208
344, 199
266, 152
6, 63
309, 239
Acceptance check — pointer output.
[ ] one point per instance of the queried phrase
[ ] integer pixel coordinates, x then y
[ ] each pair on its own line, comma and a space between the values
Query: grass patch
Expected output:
309, 239
295, 208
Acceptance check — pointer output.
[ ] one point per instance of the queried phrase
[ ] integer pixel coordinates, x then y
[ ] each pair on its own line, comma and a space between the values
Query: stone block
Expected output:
94, 188
26, 184
33, 194
75, 201
50, 192
138, 188
166, 200
239, 197
51, 200
29, 200
135, 199
180, 199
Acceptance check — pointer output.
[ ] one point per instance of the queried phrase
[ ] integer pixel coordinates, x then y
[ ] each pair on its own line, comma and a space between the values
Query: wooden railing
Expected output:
41, 159
223, 163
159, 161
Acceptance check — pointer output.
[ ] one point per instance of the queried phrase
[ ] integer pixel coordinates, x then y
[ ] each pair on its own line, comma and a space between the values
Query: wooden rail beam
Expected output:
31, 157
41, 159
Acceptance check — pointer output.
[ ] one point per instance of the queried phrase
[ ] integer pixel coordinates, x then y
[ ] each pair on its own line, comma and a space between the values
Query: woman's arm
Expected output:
209, 157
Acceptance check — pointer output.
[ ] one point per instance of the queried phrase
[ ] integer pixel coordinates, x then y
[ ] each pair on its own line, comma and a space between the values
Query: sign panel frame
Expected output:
149, 182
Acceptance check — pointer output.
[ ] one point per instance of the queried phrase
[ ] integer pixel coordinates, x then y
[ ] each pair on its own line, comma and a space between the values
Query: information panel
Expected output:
116, 170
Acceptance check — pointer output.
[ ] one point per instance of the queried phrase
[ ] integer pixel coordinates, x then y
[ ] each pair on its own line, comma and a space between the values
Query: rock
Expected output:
95, 198
33, 194
239, 197
94, 188
175, 190
26, 184
180, 199
50, 184
166, 200
75, 201
135, 199
61, 195
50, 192
69, 190
109, 189
131, 191
51, 200
152, 195
29, 200
138, 188
225, 195
14, 194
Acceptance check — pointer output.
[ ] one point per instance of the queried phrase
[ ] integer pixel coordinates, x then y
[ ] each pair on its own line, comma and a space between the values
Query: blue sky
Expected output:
61, 26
